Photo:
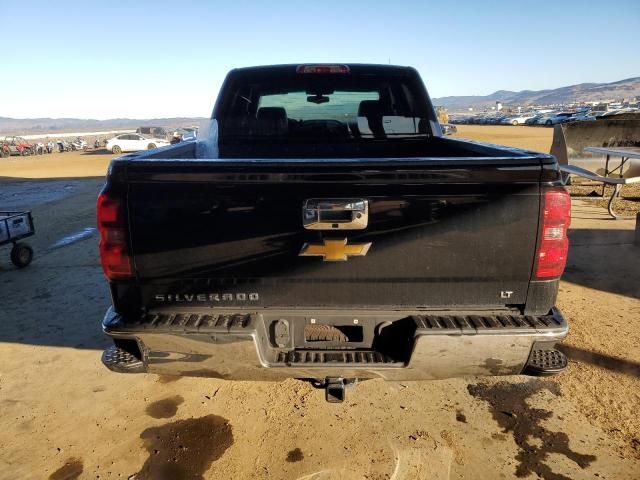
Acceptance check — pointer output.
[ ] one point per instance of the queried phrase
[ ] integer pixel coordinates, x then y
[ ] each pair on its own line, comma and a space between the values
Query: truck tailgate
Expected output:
453, 232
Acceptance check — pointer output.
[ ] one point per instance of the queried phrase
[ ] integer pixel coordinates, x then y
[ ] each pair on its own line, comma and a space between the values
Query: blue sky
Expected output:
158, 59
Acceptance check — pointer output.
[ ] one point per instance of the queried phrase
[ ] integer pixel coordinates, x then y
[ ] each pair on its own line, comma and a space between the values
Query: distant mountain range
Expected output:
31, 126
583, 92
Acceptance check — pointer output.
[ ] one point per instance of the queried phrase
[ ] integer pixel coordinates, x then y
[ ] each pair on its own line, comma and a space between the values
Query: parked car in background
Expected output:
534, 120
448, 128
134, 142
619, 111
494, 119
18, 146
79, 144
542, 119
183, 135
189, 133
38, 148
518, 119
63, 146
537, 119
561, 117
152, 132
582, 117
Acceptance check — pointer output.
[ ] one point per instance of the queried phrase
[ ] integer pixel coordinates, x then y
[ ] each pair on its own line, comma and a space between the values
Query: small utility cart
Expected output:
15, 226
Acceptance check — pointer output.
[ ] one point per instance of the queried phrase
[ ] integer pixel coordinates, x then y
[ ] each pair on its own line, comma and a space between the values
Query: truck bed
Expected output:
430, 150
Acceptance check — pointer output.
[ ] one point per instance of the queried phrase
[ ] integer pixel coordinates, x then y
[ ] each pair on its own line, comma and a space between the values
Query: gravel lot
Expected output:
64, 416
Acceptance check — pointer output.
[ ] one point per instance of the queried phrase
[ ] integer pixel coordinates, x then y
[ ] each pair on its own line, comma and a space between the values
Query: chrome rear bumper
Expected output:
240, 345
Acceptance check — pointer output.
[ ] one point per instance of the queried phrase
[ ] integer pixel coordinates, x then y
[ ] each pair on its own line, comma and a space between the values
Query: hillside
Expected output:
30, 126
583, 92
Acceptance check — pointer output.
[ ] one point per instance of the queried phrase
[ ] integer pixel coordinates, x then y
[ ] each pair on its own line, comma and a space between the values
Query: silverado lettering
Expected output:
206, 297
380, 248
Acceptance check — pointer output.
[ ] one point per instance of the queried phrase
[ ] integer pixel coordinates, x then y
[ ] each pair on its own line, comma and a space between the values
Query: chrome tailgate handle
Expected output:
335, 213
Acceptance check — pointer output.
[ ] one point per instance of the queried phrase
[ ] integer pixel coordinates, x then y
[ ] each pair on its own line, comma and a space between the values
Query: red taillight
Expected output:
322, 69
114, 250
552, 251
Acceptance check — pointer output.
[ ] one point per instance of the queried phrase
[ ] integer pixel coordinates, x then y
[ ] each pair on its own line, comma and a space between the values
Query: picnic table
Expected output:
625, 154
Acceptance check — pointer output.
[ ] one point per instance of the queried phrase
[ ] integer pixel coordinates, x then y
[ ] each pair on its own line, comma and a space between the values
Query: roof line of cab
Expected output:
358, 68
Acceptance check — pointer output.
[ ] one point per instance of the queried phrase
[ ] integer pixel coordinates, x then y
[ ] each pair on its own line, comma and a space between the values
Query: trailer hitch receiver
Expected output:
335, 390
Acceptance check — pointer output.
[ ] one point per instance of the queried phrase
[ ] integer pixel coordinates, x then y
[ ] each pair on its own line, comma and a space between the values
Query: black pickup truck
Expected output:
324, 229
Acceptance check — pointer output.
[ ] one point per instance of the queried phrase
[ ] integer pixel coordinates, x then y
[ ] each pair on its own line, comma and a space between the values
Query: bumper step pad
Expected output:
465, 324
546, 362
185, 323
119, 360
329, 357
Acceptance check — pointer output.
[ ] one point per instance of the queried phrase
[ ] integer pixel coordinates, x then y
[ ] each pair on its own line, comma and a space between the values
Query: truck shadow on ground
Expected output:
60, 298
601, 360
605, 260
97, 151
53, 334
49, 312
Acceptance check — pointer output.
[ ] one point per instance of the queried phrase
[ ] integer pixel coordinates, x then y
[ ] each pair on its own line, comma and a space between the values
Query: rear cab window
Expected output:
300, 108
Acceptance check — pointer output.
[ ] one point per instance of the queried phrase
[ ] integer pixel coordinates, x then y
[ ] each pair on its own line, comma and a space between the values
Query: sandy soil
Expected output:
64, 416
537, 139
627, 204
93, 163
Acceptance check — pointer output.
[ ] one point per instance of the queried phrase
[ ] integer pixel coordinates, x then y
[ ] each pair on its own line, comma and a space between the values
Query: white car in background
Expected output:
133, 142
562, 117
518, 119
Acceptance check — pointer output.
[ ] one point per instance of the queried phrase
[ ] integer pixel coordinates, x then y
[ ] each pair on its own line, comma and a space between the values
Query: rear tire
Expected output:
151, 146
548, 122
21, 255
116, 149
514, 123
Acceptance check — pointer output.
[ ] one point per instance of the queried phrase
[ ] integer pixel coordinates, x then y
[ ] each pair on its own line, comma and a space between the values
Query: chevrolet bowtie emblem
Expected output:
334, 250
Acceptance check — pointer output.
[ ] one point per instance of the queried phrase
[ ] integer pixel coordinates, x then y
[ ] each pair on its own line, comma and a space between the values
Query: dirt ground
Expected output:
537, 139
93, 163
64, 416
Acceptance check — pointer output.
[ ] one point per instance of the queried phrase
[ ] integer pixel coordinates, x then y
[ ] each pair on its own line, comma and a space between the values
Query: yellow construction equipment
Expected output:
443, 116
